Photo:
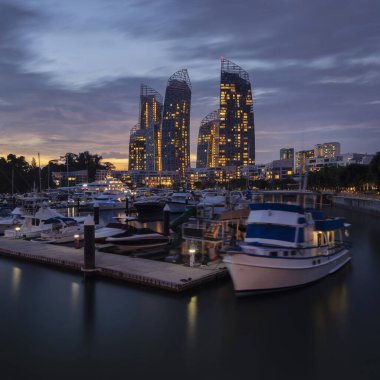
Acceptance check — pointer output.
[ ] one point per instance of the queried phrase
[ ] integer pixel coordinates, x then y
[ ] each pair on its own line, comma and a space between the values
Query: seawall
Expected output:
370, 205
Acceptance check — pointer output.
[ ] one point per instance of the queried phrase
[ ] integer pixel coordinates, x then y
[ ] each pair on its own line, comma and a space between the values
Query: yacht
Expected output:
15, 219
287, 245
62, 230
34, 224
178, 202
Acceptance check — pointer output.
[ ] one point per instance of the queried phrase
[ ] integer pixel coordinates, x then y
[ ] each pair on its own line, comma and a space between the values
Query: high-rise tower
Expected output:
208, 141
176, 123
236, 131
151, 105
137, 149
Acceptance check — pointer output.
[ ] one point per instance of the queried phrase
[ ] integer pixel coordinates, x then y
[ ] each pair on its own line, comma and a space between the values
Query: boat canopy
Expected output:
276, 207
274, 232
329, 224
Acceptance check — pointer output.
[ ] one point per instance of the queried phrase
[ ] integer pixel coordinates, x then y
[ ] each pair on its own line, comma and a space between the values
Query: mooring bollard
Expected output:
96, 213
89, 246
166, 218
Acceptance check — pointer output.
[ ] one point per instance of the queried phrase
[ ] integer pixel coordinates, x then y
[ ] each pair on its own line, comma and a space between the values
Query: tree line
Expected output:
19, 176
354, 177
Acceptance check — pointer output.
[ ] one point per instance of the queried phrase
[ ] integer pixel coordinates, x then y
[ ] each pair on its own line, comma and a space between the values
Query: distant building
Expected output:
279, 169
220, 175
70, 178
236, 131
176, 123
327, 150
137, 149
287, 154
208, 141
301, 159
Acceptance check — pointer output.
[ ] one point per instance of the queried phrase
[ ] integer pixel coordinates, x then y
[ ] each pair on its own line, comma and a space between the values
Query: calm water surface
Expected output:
53, 325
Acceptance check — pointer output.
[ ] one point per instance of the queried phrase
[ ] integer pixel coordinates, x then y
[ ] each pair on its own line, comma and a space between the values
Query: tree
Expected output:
374, 169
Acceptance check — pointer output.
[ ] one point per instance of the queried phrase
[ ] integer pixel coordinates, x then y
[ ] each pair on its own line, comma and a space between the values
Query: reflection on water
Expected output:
74, 296
330, 310
192, 320
89, 313
16, 279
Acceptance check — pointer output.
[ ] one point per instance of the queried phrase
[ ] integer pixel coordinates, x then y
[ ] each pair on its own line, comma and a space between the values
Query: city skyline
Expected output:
71, 72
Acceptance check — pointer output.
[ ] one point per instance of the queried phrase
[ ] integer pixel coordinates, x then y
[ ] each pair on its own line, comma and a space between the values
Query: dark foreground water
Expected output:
53, 325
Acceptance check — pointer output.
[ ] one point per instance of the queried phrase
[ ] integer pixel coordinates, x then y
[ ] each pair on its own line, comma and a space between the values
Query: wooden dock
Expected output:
157, 274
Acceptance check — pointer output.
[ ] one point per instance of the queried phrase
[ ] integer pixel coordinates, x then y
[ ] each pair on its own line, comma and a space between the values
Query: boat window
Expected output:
285, 253
273, 253
293, 253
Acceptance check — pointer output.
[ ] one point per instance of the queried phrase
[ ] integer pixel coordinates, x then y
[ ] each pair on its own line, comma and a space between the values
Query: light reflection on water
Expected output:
16, 279
192, 314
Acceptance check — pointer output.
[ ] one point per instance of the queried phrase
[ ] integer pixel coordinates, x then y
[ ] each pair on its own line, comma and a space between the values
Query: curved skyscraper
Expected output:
208, 141
151, 105
236, 131
176, 123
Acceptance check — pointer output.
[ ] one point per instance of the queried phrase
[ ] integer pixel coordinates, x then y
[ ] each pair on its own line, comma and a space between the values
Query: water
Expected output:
53, 325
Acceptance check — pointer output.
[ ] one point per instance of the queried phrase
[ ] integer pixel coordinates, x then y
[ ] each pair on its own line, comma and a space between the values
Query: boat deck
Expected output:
157, 274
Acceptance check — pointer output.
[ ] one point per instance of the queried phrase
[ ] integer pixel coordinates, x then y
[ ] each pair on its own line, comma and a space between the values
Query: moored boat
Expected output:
287, 245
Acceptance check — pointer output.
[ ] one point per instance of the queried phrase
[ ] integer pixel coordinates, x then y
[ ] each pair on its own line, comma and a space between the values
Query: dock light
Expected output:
192, 251
17, 229
77, 241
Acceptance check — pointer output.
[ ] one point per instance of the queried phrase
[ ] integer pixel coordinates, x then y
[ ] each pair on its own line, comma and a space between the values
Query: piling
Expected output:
166, 218
96, 213
78, 205
89, 247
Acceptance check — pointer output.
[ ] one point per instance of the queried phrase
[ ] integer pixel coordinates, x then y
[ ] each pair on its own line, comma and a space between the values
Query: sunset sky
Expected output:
70, 70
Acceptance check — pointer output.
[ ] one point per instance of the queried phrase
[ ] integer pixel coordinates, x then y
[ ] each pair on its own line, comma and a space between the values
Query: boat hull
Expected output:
259, 273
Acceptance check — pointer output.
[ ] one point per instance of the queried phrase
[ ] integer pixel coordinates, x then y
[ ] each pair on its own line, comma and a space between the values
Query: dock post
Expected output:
96, 213
78, 205
14, 202
166, 218
89, 247
126, 205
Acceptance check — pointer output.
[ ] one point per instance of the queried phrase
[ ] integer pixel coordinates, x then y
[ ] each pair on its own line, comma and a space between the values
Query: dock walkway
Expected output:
155, 274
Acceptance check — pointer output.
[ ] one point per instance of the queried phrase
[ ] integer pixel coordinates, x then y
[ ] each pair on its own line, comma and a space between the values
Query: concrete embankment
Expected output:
370, 205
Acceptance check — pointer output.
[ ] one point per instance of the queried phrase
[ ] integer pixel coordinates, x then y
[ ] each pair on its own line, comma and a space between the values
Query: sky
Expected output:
70, 71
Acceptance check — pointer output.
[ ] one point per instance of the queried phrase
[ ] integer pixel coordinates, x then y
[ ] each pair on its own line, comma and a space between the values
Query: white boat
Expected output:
42, 221
154, 203
63, 231
178, 202
287, 245
14, 220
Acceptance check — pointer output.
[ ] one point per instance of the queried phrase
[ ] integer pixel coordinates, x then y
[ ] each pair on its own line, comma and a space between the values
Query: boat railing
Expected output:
205, 230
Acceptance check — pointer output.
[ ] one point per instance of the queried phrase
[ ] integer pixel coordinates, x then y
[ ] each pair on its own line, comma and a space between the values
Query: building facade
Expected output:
176, 124
287, 154
151, 106
301, 159
208, 141
236, 131
137, 149
327, 150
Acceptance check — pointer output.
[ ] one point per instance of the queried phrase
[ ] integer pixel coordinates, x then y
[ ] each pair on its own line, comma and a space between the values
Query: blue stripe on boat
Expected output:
274, 232
276, 207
